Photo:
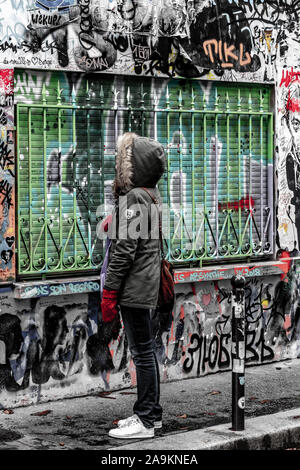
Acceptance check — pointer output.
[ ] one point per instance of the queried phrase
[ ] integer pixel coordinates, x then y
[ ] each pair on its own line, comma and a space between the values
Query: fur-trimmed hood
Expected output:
140, 161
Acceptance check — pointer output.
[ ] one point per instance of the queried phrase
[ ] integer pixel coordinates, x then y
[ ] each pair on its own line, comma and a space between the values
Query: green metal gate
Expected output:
218, 188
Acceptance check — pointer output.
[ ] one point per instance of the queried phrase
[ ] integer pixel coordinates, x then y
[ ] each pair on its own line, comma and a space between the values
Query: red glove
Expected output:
109, 305
105, 226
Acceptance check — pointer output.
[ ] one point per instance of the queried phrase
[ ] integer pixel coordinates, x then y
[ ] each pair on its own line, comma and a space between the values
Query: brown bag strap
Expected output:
156, 202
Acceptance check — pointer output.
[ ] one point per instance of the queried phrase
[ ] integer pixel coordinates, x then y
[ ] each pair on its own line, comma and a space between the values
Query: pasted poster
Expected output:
288, 133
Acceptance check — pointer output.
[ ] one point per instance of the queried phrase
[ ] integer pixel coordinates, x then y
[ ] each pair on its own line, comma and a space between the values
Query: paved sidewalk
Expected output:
197, 415
276, 431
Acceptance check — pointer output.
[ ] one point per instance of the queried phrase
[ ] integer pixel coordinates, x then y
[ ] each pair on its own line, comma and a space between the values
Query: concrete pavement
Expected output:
197, 415
276, 431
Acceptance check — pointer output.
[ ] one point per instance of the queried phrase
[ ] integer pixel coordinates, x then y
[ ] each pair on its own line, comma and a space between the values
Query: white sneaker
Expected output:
133, 429
123, 422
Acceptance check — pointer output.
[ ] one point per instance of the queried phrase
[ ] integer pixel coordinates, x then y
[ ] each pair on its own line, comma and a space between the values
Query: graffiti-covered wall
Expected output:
7, 176
226, 39
53, 345
65, 53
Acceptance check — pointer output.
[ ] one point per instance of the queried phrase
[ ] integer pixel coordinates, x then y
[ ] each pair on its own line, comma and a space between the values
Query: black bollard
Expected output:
238, 352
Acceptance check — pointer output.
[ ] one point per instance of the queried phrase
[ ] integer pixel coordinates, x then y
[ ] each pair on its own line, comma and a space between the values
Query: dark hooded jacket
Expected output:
134, 263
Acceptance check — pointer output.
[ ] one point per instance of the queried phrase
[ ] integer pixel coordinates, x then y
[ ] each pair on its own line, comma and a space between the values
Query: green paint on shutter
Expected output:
218, 140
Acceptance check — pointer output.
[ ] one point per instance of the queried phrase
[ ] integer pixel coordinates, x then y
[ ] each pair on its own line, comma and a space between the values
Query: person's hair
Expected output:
116, 189
124, 149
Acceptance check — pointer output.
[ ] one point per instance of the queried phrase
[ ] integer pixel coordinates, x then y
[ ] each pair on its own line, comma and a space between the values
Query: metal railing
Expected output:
221, 220
217, 191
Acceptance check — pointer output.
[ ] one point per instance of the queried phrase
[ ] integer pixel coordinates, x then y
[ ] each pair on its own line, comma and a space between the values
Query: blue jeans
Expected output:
137, 324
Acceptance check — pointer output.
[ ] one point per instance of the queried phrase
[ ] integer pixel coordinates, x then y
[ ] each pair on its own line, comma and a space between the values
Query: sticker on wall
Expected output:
238, 366
241, 403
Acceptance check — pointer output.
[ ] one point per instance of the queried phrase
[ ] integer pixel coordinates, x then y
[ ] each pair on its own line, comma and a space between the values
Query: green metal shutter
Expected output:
219, 145
219, 183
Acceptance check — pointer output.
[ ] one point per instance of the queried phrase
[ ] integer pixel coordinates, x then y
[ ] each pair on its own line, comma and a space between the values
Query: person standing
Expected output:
133, 274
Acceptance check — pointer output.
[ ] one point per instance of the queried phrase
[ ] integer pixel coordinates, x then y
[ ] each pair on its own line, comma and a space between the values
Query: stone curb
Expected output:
276, 431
